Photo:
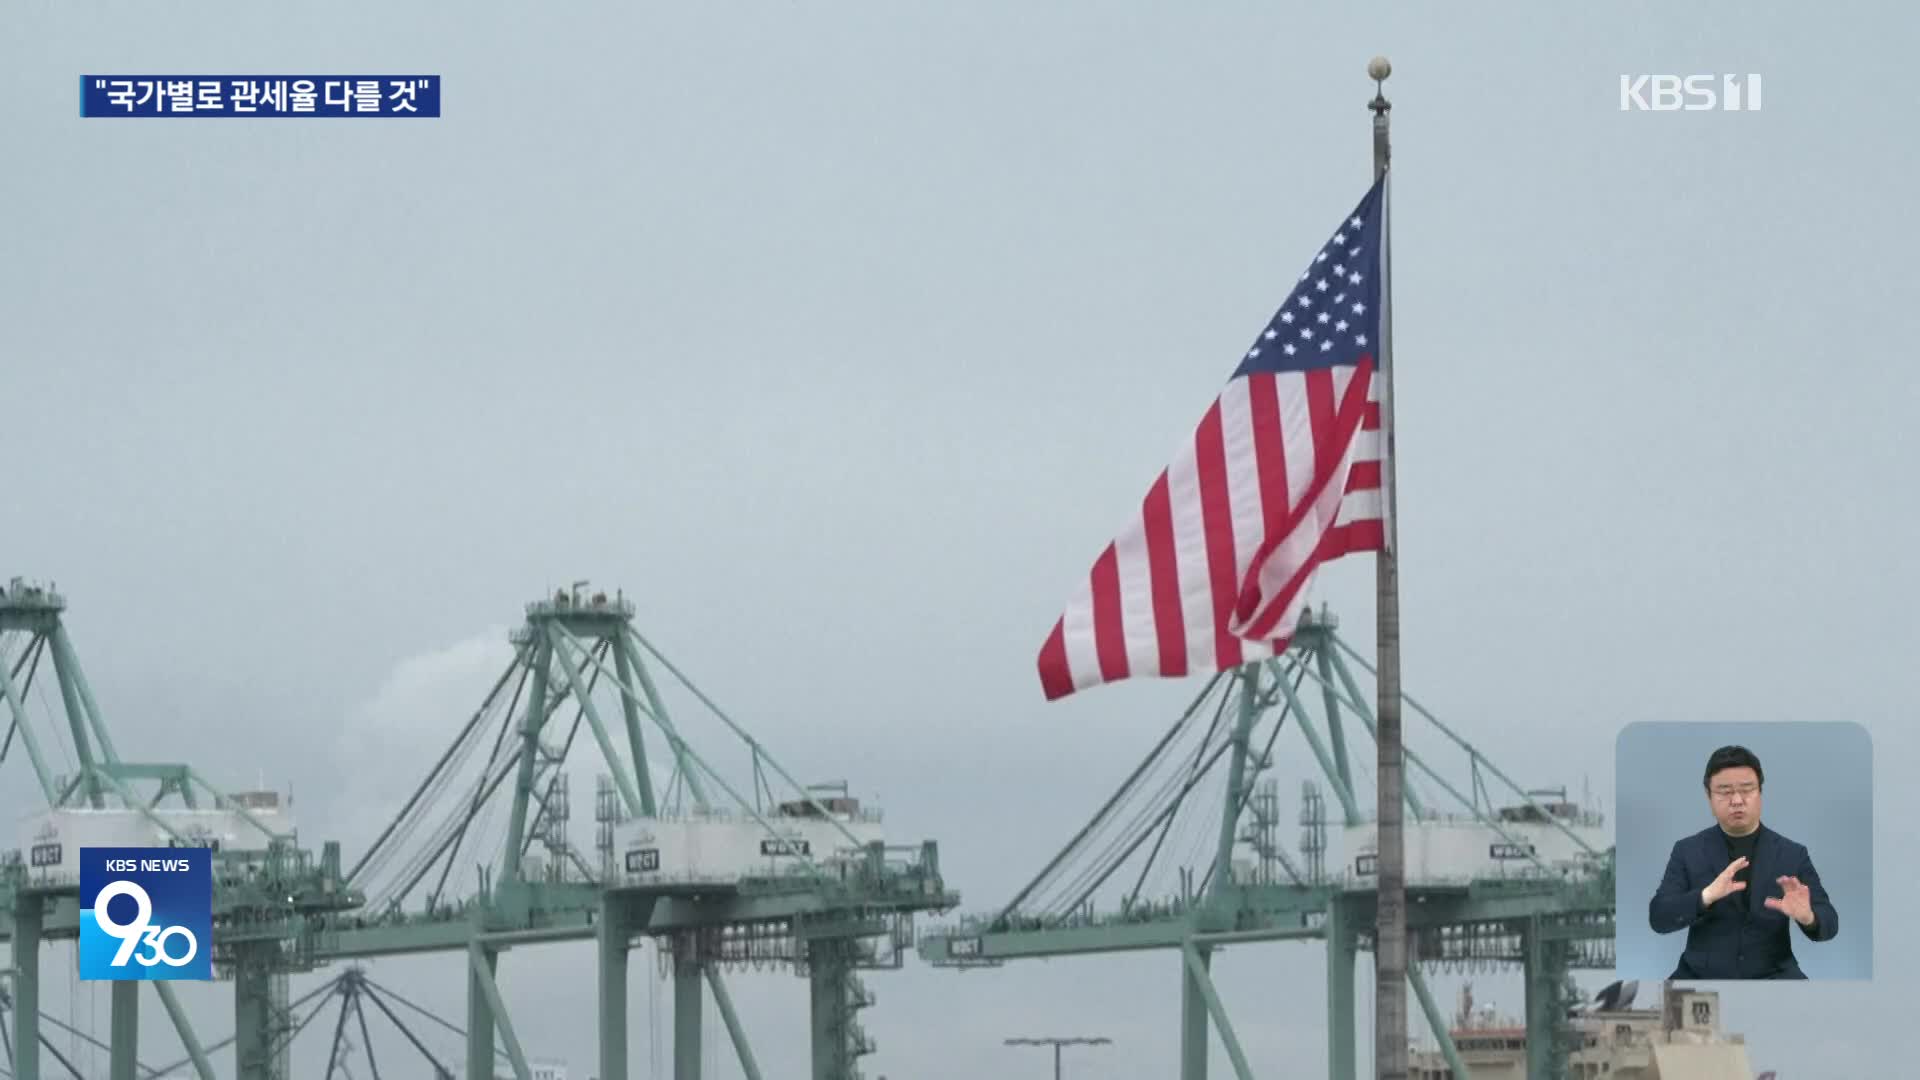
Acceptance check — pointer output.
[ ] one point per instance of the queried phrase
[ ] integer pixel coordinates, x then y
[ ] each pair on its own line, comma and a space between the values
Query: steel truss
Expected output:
1548, 919
287, 911
269, 904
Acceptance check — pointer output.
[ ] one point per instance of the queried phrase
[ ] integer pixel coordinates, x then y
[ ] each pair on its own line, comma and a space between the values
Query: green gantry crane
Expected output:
270, 896
718, 871
1528, 881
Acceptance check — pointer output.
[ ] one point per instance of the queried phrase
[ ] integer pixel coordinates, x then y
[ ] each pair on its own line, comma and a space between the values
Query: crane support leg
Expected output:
735, 1031
1323, 659
481, 962
77, 722
124, 1023
1341, 947
837, 997
686, 1017
27, 909
32, 742
252, 1018
1193, 1020
530, 725
1435, 1020
1546, 976
611, 947
1342, 788
1216, 1010
479, 1026
630, 709
195, 1053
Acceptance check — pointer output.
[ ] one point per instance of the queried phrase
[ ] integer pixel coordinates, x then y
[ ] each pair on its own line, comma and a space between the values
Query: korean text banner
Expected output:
260, 95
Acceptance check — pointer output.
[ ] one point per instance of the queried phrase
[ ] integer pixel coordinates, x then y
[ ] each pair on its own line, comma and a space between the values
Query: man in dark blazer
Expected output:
1734, 932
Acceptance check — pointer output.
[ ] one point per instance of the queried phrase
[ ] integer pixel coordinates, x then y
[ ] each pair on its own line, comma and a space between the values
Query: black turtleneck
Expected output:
1739, 847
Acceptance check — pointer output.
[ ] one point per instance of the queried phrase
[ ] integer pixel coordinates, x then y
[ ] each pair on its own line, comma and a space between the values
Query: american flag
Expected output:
1283, 474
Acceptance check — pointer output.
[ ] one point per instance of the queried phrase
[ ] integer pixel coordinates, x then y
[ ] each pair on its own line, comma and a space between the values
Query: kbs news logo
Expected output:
1689, 93
146, 913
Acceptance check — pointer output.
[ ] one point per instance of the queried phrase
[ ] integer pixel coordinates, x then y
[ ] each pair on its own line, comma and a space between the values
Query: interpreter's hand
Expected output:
1724, 885
1796, 903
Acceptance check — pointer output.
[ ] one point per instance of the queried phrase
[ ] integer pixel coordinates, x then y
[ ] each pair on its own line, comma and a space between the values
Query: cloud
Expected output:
388, 743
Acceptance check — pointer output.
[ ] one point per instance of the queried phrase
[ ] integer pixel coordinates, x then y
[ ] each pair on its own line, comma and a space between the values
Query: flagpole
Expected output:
1390, 932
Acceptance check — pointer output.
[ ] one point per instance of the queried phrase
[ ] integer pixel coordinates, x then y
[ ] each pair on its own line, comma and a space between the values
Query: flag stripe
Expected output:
1269, 447
1083, 665
1360, 505
1055, 678
1282, 565
1169, 629
1216, 519
1108, 630
1135, 591
1363, 535
1241, 421
1271, 461
1320, 420
1190, 554
1252, 410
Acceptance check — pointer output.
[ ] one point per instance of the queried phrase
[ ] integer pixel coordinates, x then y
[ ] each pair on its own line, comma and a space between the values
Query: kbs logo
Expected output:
146, 913
1689, 93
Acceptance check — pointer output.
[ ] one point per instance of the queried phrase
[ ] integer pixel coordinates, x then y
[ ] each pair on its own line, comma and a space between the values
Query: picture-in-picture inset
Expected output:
1744, 851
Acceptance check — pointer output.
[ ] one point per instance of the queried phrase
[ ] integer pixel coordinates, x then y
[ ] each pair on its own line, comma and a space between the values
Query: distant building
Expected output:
1680, 1039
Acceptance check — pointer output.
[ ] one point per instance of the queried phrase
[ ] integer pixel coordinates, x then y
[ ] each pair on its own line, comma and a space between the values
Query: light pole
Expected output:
1057, 1043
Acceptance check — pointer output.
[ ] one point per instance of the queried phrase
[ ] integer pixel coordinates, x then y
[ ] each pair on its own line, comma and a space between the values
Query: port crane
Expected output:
270, 895
717, 870
1523, 878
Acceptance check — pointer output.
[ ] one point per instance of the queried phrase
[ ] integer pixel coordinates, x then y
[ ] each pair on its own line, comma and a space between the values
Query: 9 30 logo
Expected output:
146, 913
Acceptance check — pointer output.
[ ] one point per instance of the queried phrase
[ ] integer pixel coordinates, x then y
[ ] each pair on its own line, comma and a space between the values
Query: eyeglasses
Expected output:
1745, 791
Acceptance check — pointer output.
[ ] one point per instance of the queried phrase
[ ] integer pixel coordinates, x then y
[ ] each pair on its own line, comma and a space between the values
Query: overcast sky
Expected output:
843, 337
